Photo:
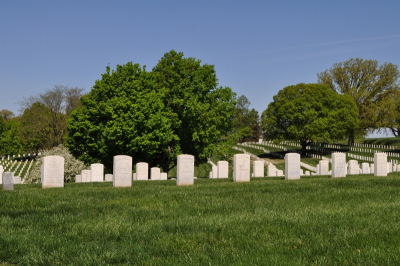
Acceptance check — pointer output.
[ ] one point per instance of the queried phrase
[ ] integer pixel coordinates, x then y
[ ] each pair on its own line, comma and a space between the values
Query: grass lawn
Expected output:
268, 221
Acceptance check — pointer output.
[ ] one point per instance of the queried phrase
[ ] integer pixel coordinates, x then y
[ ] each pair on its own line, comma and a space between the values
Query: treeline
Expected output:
43, 122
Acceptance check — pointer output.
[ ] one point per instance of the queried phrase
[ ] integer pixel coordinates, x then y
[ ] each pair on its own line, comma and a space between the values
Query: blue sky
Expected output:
257, 47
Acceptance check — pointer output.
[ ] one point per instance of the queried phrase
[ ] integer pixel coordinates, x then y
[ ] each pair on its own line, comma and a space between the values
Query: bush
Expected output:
72, 166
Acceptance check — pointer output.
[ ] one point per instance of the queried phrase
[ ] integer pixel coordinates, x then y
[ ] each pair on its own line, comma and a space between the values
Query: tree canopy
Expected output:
153, 116
371, 86
246, 122
309, 112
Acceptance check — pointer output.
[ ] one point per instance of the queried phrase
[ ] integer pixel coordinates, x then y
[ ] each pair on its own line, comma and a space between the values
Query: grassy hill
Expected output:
269, 221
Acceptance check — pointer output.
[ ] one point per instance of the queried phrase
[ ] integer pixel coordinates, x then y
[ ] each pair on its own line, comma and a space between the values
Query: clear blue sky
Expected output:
257, 47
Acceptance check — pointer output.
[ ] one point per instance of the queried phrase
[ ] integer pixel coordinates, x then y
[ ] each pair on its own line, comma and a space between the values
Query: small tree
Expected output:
309, 112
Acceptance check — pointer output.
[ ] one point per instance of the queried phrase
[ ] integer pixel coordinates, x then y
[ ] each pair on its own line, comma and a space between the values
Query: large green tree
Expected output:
153, 116
372, 87
308, 113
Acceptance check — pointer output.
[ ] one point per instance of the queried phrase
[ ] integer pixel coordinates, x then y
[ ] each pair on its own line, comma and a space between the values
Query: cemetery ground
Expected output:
268, 221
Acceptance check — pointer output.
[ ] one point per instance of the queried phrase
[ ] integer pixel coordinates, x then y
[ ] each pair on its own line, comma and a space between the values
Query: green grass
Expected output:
269, 221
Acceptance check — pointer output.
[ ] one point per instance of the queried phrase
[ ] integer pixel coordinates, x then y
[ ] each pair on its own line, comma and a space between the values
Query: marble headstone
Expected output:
292, 166
338, 164
258, 168
353, 167
142, 171
85, 174
380, 164
271, 170
155, 173
78, 179
53, 171
324, 167
185, 170
365, 168
108, 178
8, 180
215, 171
164, 176
223, 169
96, 172
241, 166
122, 171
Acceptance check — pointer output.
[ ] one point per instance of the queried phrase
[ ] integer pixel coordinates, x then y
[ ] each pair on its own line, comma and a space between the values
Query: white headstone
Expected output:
271, 170
338, 164
17, 180
8, 180
78, 179
258, 168
365, 168
164, 176
214, 171
185, 170
85, 174
324, 167
155, 173
241, 166
389, 167
307, 173
96, 172
380, 164
292, 166
353, 167
108, 178
279, 173
142, 171
122, 171
223, 169
53, 171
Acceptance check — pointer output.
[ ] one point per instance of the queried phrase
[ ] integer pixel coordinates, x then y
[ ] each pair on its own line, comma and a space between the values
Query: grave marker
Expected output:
142, 171
223, 169
122, 171
8, 180
155, 173
338, 165
258, 168
96, 172
185, 170
53, 172
85, 175
292, 166
380, 164
241, 166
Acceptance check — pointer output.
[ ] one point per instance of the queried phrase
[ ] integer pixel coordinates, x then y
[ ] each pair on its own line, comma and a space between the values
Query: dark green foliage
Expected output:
309, 112
153, 116
269, 221
246, 122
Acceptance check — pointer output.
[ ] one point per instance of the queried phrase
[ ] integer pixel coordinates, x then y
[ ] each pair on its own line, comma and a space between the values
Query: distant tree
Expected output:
309, 112
6, 115
246, 122
10, 140
153, 116
36, 124
59, 102
371, 86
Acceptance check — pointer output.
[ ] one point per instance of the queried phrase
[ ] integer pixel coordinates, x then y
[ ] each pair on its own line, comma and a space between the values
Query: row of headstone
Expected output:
220, 170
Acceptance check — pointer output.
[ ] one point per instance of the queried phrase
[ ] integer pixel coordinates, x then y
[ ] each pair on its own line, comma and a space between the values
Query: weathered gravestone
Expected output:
215, 171
258, 168
78, 179
271, 170
223, 169
338, 164
8, 180
380, 164
122, 171
292, 166
17, 180
85, 174
365, 168
324, 167
164, 176
108, 178
241, 166
353, 167
53, 172
142, 171
185, 170
155, 173
96, 172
